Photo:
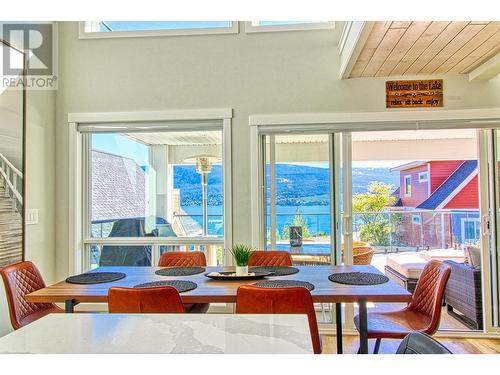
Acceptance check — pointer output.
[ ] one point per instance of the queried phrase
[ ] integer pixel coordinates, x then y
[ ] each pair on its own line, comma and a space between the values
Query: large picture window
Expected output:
162, 184
151, 191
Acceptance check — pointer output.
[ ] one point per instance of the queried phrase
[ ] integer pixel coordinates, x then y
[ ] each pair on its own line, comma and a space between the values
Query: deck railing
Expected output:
11, 179
394, 230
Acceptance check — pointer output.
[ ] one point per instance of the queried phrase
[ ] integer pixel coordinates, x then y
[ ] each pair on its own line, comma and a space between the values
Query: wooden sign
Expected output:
414, 94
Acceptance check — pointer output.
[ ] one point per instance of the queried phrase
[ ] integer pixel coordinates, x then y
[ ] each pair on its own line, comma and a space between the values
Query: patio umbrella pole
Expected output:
204, 203
204, 167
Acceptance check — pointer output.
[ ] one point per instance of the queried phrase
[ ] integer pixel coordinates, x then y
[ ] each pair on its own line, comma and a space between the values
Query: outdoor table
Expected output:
209, 291
161, 333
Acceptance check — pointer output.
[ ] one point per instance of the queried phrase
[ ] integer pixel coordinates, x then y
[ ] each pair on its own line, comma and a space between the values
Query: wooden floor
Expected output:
10, 232
455, 345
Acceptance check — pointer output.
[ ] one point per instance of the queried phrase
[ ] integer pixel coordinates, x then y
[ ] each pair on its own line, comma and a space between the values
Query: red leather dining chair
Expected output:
182, 259
270, 258
164, 299
21, 279
422, 314
296, 300
186, 259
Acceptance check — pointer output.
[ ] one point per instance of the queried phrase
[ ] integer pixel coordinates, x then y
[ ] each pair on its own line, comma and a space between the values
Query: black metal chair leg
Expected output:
377, 346
338, 316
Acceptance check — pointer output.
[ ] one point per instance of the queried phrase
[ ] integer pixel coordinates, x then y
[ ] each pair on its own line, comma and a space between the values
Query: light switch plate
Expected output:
31, 216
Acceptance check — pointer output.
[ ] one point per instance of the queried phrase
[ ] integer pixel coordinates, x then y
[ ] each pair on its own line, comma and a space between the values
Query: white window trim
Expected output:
408, 176
82, 34
477, 225
78, 192
418, 220
250, 28
420, 179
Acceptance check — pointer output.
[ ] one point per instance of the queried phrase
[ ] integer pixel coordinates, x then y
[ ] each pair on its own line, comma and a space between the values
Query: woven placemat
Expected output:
276, 270
358, 278
180, 285
95, 277
284, 284
180, 271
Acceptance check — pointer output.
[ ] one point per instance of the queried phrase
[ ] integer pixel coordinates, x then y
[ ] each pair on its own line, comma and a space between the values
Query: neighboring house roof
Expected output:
402, 167
118, 187
451, 186
395, 194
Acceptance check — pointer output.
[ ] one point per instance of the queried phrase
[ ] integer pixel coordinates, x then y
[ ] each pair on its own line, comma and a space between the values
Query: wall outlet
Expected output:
31, 216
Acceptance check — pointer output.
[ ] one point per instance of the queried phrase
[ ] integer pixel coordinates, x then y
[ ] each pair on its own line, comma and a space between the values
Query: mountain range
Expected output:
297, 185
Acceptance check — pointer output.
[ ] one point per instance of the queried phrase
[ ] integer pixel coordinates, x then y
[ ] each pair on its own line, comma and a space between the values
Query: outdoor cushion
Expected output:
410, 265
444, 254
473, 256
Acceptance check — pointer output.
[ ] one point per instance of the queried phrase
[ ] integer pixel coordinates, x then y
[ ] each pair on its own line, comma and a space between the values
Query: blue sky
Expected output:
120, 145
162, 25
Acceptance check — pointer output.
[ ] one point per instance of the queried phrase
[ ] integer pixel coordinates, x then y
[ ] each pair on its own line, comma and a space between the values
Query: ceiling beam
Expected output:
351, 43
487, 70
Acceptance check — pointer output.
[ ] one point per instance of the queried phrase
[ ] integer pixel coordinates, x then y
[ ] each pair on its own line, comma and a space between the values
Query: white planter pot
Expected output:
241, 270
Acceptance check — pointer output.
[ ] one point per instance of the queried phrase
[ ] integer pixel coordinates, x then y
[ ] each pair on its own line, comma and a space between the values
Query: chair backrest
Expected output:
428, 295
182, 259
297, 300
265, 258
165, 299
21, 279
362, 254
420, 343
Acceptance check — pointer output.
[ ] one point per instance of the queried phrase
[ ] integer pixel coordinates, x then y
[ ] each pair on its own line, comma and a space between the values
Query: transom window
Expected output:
266, 26
107, 29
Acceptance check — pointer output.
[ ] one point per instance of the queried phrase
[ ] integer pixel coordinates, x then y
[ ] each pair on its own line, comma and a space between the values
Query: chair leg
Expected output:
377, 346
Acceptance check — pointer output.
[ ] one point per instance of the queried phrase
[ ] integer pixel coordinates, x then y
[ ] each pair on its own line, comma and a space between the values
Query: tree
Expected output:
298, 221
369, 207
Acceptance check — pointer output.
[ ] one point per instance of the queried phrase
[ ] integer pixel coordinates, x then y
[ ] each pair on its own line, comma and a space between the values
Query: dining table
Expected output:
97, 333
223, 291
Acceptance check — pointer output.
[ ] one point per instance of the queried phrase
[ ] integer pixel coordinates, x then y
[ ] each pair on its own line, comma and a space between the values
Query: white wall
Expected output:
40, 190
254, 73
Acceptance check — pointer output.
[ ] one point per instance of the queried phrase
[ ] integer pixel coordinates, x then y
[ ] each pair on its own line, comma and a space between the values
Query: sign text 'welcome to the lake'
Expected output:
411, 94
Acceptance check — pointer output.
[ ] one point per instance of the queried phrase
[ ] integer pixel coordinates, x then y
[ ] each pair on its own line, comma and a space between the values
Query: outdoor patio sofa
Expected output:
463, 296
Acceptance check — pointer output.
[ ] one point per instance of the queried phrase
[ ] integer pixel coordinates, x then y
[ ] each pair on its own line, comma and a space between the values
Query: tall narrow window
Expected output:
407, 186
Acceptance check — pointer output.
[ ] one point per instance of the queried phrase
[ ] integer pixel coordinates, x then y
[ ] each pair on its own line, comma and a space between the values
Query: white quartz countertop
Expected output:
161, 333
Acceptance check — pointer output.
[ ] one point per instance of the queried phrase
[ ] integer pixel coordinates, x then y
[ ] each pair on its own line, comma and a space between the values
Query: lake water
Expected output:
317, 217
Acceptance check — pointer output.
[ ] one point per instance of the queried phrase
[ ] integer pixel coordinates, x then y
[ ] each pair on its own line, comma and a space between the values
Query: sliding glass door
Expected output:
298, 200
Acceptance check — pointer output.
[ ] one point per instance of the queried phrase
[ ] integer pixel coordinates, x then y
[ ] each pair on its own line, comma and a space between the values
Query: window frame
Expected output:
82, 34
416, 219
420, 177
323, 25
80, 240
405, 178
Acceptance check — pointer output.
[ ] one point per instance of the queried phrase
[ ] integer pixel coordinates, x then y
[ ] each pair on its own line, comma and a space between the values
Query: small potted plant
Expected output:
241, 254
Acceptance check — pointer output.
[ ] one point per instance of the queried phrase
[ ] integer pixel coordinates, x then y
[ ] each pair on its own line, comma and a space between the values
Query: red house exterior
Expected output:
426, 177
440, 193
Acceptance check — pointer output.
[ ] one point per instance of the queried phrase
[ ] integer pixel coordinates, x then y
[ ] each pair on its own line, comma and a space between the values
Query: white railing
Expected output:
10, 179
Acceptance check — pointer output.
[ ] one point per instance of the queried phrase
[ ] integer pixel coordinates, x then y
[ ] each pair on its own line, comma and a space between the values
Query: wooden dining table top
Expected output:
209, 290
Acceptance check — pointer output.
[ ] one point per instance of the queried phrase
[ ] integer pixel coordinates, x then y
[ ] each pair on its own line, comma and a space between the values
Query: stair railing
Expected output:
10, 179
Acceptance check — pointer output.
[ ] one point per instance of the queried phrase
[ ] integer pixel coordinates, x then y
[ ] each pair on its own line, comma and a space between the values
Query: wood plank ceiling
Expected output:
408, 48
